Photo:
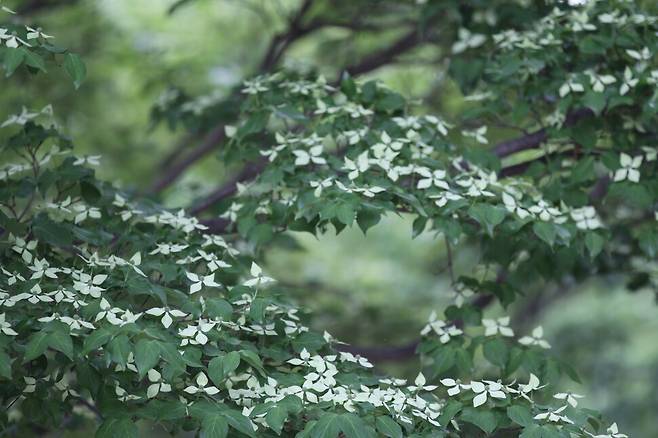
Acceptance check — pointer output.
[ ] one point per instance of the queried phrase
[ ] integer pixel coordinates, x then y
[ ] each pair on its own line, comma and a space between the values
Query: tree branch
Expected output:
249, 172
533, 140
387, 55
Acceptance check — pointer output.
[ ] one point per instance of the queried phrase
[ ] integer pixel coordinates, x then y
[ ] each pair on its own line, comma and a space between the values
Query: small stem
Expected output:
450, 266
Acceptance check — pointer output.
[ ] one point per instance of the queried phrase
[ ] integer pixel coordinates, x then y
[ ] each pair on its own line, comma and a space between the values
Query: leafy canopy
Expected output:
115, 308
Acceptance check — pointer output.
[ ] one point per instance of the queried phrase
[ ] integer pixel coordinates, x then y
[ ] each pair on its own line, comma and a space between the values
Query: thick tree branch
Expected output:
533, 140
405, 43
407, 351
207, 145
249, 172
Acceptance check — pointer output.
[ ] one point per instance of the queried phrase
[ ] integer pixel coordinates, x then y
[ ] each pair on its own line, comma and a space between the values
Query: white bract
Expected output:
258, 278
536, 339
629, 169
5, 327
199, 281
201, 386
492, 327
167, 314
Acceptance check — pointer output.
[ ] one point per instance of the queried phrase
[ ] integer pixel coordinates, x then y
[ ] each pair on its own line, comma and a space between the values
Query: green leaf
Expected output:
345, 213
239, 422
485, 420
367, 218
231, 362
51, 232
118, 428
214, 426
520, 415
36, 346
496, 351
147, 355
96, 339
594, 243
276, 418
34, 60
252, 359
533, 431
354, 427
386, 426
488, 216
13, 58
546, 231
328, 426
61, 341
5, 365
119, 349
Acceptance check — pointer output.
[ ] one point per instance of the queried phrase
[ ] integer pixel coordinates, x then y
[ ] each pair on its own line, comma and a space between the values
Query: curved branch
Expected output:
535, 139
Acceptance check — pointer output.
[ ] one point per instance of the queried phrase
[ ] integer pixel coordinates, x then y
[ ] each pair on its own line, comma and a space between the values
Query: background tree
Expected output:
566, 96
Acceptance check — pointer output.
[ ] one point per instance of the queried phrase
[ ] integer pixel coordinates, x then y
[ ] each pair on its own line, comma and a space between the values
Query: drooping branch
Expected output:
249, 172
535, 139
209, 142
403, 352
387, 55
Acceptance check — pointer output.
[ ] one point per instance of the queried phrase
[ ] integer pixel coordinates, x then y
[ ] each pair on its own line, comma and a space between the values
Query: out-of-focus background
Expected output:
374, 290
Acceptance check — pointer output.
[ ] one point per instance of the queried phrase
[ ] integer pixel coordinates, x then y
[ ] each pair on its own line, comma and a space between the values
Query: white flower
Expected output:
485, 389
123, 395
467, 40
198, 281
494, 326
628, 81
321, 184
5, 327
369, 192
629, 168
321, 380
167, 314
254, 86
513, 206
570, 398
88, 285
586, 218
478, 134
258, 278
357, 167
454, 386
442, 199
303, 359
535, 339
612, 432
571, 87
89, 160
436, 178
640, 55
196, 334
201, 386
546, 212
23, 247
34, 296
419, 384
349, 357
554, 416
599, 82
314, 155
157, 384
74, 323
440, 328
36, 33
440, 125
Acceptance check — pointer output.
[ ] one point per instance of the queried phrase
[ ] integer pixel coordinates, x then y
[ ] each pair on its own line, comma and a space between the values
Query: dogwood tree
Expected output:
116, 310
